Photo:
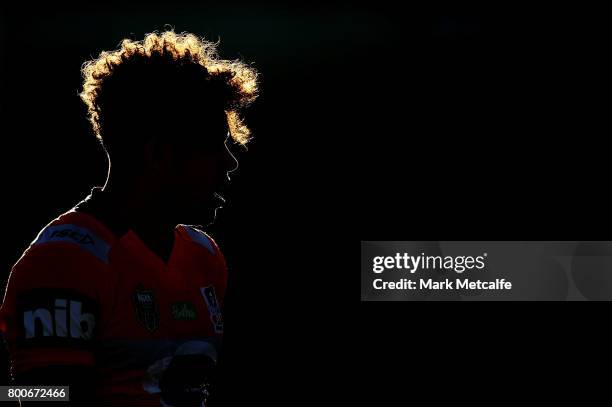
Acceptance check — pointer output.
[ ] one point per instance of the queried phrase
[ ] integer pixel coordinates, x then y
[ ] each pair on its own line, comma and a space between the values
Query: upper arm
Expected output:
51, 307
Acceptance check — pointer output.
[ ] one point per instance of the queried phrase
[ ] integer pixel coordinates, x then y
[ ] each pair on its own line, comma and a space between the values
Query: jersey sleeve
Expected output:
213, 261
214, 293
53, 300
221, 271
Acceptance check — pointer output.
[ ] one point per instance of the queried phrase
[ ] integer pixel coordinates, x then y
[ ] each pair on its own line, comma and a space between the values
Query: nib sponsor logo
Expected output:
51, 316
66, 320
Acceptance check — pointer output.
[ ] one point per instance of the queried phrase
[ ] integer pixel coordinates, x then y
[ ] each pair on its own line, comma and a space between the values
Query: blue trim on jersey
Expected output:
77, 235
200, 237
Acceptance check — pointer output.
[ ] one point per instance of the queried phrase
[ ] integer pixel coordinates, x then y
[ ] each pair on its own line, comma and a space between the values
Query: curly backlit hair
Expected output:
230, 80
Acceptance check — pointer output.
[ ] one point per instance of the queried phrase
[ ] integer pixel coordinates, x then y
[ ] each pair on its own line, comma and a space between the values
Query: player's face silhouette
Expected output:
194, 178
205, 176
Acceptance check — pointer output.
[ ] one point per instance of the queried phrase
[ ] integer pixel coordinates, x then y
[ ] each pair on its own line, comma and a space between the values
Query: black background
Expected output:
375, 122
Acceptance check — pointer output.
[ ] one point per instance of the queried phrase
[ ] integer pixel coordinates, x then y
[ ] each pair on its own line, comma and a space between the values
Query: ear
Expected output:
158, 156
149, 156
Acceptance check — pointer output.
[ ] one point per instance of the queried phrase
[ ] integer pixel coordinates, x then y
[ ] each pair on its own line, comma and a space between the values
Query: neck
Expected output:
141, 206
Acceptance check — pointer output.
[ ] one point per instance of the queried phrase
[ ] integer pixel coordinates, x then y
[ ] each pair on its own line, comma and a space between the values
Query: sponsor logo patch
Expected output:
50, 316
214, 308
74, 234
184, 311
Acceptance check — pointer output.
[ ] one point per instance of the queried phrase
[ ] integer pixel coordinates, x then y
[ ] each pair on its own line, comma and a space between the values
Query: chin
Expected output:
202, 216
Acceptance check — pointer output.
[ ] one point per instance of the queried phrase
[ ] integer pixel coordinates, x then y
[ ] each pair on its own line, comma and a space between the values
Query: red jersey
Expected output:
81, 294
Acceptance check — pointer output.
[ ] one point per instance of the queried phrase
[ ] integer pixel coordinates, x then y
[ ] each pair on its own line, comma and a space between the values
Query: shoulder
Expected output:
201, 238
208, 257
70, 254
73, 236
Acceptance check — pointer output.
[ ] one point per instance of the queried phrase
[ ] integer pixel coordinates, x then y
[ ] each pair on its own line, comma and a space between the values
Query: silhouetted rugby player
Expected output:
118, 297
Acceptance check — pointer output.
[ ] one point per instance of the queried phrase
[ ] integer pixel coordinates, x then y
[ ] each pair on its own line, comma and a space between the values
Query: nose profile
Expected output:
230, 161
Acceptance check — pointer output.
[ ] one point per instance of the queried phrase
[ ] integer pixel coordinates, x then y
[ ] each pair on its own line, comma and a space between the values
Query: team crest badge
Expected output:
214, 309
145, 308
